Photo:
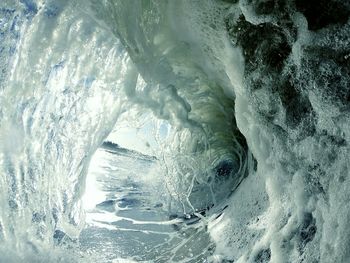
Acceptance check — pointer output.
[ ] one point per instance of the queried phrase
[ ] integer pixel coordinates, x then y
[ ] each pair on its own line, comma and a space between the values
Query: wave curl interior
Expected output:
257, 95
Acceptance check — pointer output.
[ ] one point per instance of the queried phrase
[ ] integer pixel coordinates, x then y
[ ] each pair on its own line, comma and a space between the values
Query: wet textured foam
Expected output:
257, 94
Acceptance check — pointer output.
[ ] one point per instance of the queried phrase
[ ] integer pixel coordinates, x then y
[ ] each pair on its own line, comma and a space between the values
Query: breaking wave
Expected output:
257, 96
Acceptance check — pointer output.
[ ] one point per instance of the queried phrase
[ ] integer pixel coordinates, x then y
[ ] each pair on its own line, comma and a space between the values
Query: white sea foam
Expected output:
70, 71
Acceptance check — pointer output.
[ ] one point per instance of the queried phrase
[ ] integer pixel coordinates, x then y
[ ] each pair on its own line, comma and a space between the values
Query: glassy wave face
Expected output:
255, 168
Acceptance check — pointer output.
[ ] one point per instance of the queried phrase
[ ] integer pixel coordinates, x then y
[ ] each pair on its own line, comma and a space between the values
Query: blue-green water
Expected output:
254, 163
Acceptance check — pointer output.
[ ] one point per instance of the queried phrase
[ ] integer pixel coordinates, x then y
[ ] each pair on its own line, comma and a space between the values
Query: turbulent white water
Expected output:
257, 96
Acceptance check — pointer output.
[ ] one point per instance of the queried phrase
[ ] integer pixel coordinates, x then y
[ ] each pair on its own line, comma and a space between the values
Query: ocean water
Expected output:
131, 220
254, 163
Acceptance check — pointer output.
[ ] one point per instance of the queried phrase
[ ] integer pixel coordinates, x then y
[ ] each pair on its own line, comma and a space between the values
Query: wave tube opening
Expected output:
66, 82
127, 204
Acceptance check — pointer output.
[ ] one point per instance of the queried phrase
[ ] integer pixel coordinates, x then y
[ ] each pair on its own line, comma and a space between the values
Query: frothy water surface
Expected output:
255, 167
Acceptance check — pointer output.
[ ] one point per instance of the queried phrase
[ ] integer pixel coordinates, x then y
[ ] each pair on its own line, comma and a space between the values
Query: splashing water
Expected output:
257, 158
